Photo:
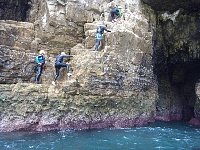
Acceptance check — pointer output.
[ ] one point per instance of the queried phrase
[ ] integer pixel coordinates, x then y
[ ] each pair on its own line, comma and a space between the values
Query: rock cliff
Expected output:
176, 59
144, 70
173, 5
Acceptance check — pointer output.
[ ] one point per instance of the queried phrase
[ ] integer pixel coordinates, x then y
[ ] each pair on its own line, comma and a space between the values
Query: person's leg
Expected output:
115, 16
66, 65
63, 65
38, 73
112, 13
57, 67
102, 43
97, 44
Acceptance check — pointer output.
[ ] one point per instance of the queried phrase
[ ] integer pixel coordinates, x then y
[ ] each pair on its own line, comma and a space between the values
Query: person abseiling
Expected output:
59, 64
40, 60
99, 34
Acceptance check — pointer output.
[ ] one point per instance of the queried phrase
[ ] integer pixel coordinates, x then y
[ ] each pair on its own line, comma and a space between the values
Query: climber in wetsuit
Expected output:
99, 35
40, 60
115, 13
59, 63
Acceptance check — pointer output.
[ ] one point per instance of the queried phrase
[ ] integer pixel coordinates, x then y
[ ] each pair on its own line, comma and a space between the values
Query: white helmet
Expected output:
63, 53
41, 52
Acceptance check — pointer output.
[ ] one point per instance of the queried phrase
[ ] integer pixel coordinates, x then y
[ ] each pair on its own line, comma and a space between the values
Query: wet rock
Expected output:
197, 104
195, 121
32, 107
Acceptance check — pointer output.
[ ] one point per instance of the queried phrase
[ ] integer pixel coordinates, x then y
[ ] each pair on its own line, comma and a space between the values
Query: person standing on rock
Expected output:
40, 60
99, 35
59, 64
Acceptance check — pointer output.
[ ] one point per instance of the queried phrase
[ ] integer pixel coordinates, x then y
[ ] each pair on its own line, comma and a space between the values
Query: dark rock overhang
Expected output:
172, 5
14, 9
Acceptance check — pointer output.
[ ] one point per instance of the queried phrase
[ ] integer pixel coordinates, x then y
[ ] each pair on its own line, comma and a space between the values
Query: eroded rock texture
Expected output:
173, 5
18, 47
176, 59
44, 107
147, 68
114, 87
59, 23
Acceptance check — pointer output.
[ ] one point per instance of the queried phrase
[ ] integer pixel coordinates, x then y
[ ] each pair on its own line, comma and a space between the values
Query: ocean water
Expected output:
156, 136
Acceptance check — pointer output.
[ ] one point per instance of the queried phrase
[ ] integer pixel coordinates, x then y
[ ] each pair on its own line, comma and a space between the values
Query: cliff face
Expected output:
114, 87
143, 65
173, 5
176, 59
15, 54
46, 107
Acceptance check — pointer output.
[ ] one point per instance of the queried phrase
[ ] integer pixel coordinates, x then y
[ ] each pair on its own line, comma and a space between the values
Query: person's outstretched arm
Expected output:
67, 56
107, 30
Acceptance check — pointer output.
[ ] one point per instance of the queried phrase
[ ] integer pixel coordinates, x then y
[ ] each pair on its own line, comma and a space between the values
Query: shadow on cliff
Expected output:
17, 10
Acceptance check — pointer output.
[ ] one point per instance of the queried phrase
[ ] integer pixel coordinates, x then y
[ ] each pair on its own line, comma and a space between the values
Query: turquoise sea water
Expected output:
157, 136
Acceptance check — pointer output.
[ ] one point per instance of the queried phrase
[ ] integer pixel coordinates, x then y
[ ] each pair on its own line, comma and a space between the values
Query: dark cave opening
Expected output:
17, 10
176, 88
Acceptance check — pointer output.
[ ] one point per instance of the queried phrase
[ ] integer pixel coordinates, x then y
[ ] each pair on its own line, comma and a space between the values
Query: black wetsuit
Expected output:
114, 13
59, 64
